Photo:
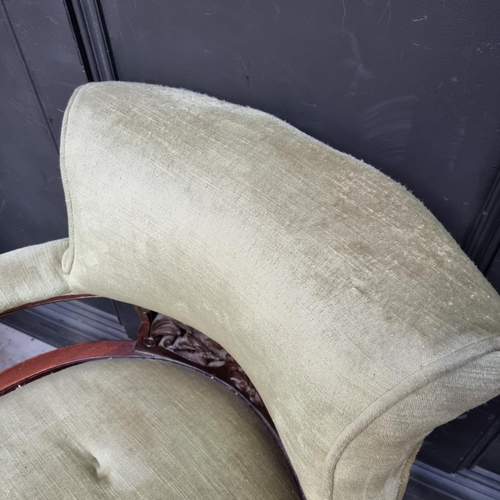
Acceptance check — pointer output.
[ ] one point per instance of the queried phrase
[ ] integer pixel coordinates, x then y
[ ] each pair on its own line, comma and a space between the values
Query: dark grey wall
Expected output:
410, 87
493, 274
39, 68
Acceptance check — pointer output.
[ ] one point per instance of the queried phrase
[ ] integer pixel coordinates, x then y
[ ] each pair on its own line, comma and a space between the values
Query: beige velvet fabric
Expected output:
31, 274
135, 429
359, 319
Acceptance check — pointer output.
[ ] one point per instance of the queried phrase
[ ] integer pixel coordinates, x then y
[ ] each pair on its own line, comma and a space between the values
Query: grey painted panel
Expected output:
48, 44
493, 273
32, 208
410, 87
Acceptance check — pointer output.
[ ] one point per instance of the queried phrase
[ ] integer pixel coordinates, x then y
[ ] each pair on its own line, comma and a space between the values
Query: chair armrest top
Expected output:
32, 274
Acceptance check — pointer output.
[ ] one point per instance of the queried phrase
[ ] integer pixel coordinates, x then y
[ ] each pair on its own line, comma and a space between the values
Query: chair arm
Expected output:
32, 275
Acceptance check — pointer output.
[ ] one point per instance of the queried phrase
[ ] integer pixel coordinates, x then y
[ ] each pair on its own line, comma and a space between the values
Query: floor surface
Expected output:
16, 347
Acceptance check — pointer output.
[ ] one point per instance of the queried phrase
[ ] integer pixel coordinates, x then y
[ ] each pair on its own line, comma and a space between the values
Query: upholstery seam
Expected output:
67, 265
358, 426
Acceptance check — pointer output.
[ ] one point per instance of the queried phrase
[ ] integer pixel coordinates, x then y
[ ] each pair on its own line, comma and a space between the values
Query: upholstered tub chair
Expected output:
356, 317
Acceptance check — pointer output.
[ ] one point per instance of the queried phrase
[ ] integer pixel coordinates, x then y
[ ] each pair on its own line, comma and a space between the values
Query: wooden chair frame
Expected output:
158, 337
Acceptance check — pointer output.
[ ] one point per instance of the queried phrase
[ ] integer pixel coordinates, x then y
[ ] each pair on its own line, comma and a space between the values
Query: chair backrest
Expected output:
358, 318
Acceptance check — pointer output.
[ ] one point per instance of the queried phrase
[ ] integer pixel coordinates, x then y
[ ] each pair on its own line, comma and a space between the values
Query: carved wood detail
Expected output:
167, 335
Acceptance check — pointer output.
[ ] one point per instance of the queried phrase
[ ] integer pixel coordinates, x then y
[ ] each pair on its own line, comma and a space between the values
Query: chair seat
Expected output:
134, 428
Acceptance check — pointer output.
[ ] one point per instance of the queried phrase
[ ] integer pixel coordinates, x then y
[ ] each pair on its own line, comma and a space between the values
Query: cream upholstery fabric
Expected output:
135, 429
31, 274
360, 321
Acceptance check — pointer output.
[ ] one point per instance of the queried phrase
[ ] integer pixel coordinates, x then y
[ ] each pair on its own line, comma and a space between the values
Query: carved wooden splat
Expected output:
168, 336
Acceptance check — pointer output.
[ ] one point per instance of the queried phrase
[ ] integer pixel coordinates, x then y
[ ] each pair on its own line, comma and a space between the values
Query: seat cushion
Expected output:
133, 428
